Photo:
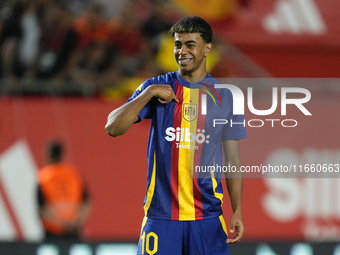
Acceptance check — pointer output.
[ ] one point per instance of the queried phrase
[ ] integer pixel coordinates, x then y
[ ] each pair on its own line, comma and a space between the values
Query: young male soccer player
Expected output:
183, 215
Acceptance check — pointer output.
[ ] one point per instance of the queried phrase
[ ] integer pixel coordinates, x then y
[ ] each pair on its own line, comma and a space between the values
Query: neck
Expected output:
54, 161
197, 74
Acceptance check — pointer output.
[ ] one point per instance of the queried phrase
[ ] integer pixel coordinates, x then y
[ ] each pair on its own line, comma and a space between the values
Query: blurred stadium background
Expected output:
64, 65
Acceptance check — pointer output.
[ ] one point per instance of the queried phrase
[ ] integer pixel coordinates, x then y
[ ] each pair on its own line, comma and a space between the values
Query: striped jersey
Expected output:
184, 144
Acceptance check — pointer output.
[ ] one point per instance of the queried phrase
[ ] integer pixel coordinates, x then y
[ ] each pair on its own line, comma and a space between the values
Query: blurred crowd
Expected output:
75, 40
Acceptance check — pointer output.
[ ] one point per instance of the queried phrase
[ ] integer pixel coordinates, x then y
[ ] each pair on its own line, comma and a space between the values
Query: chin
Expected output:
186, 69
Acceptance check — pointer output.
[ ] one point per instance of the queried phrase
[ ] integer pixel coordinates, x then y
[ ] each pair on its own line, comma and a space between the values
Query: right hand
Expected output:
164, 93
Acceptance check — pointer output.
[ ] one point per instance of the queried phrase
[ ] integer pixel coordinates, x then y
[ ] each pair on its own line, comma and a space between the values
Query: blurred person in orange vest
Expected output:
64, 204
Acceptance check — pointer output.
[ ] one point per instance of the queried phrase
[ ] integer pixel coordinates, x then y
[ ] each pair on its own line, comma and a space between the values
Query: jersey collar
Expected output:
189, 84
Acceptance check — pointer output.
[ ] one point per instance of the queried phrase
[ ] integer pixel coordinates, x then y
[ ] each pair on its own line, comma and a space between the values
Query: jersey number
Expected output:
147, 244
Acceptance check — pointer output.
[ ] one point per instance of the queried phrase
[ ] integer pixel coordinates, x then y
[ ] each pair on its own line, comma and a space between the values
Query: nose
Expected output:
183, 50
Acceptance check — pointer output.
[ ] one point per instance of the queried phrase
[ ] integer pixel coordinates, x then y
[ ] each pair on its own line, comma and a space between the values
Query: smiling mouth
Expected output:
184, 60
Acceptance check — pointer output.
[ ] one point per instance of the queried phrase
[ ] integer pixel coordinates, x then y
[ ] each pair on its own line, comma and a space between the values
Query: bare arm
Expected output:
47, 212
121, 119
83, 213
235, 185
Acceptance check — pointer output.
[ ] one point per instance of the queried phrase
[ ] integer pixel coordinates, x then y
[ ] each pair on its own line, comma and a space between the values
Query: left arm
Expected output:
234, 185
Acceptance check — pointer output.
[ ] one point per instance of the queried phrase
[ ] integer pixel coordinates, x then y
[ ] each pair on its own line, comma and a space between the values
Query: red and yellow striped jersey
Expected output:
183, 143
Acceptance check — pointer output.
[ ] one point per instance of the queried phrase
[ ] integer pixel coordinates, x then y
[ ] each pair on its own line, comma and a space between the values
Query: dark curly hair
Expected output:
193, 25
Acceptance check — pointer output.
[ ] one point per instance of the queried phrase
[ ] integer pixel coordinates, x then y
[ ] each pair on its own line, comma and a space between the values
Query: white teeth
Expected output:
183, 61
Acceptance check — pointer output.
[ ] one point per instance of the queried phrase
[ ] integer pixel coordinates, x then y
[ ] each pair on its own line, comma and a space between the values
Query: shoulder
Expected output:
222, 93
45, 173
166, 78
163, 79
215, 85
57, 169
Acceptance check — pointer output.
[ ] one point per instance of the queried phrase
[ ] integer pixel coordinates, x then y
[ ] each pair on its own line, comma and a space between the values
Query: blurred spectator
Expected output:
96, 65
92, 26
149, 68
128, 38
20, 38
135, 55
10, 35
29, 43
58, 45
111, 8
76, 6
73, 43
64, 204
96, 51
157, 23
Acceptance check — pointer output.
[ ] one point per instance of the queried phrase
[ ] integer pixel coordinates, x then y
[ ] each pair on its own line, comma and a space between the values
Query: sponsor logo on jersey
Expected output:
184, 135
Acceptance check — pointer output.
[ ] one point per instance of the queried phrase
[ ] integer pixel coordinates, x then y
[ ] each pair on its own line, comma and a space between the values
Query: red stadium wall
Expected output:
292, 57
304, 42
115, 168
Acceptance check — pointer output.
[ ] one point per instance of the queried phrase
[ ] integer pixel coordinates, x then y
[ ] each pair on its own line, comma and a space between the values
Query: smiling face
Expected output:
190, 53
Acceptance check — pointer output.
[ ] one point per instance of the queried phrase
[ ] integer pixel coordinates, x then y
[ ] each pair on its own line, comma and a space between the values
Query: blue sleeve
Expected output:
235, 129
146, 111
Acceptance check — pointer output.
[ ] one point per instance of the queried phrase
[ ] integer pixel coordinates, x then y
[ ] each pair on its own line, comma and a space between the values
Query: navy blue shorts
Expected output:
169, 237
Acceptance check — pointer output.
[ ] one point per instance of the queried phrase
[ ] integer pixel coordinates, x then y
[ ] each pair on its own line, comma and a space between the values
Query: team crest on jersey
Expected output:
189, 112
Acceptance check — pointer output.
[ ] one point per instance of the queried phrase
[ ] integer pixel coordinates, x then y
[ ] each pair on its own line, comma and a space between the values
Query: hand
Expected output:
164, 93
236, 222
71, 227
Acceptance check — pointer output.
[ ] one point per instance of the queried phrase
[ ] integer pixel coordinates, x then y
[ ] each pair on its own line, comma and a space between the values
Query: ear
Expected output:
208, 49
